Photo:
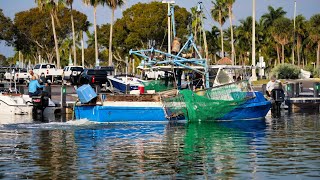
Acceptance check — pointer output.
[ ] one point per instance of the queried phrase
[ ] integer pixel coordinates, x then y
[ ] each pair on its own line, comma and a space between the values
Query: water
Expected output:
274, 148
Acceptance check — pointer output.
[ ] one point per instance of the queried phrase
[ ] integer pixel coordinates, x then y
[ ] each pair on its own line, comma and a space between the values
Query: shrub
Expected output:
286, 71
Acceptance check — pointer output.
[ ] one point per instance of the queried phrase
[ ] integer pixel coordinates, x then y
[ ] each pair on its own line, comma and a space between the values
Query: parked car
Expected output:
94, 77
74, 75
68, 70
50, 71
19, 75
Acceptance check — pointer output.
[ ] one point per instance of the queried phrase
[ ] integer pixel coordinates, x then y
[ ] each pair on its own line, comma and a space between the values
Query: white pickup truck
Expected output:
50, 72
17, 74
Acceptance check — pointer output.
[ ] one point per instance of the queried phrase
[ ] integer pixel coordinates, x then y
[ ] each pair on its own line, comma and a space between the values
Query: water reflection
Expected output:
271, 148
218, 149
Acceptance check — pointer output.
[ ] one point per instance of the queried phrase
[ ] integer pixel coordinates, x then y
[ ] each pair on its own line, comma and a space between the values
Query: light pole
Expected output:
169, 23
254, 76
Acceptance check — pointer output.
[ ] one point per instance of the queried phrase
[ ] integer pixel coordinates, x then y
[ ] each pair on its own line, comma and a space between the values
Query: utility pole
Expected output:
254, 75
169, 2
294, 30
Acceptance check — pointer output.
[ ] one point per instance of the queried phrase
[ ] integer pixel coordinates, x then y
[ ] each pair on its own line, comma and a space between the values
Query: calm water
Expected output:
283, 148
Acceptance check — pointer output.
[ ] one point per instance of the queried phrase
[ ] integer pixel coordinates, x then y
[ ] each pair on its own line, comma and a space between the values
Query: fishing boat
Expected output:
201, 92
125, 83
119, 107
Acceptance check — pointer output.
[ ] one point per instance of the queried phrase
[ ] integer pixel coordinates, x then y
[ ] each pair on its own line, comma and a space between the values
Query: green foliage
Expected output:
140, 23
6, 28
315, 72
286, 71
34, 35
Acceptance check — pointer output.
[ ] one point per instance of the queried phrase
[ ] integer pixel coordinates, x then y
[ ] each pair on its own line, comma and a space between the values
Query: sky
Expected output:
241, 10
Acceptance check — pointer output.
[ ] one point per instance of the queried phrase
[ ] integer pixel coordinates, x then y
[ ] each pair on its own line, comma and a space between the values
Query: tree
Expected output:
213, 45
52, 5
33, 36
219, 12
271, 16
113, 4
3, 60
69, 3
84, 28
300, 32
229, 5
266, 22
94, 3
243, 35
314, 30
282, 32
6, 28
137, 27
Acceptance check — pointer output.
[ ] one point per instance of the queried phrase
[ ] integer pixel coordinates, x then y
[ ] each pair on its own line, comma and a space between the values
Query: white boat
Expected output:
15, 103
125, 83
20, 104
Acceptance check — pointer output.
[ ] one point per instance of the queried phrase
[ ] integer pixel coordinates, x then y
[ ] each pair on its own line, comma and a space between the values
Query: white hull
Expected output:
11, 104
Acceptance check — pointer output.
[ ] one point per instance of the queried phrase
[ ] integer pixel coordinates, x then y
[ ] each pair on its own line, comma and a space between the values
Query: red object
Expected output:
141, 89
92, 79
47, 71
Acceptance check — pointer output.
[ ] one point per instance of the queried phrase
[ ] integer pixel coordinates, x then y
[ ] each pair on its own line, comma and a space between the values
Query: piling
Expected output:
316, 89
63, 99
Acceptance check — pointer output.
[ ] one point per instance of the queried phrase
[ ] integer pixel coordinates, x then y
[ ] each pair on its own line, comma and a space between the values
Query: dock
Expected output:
302, 95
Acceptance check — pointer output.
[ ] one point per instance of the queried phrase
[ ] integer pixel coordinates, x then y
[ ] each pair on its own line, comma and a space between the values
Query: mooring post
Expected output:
316, 89
264, 89
297, 89
63, 99
290, 90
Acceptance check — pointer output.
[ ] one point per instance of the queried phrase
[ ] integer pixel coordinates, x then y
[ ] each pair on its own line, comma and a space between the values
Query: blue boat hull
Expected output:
120, 114
255, 108
121, 86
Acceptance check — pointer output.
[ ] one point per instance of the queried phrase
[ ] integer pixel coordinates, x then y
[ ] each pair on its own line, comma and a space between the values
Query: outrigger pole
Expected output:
175, 59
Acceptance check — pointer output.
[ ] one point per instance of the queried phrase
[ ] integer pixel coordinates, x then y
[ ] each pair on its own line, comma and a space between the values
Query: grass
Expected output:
260, 82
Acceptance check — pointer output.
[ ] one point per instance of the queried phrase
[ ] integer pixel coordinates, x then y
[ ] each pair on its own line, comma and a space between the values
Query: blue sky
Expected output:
242, 9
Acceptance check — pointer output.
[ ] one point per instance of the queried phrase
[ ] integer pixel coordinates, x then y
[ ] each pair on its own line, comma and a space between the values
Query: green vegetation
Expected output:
286, 71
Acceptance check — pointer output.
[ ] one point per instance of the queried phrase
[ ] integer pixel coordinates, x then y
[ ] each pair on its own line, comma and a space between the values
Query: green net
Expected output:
157, 85
209, 104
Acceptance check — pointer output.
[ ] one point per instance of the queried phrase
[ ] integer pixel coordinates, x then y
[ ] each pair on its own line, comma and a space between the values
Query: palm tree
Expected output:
300, 33
84, 28
94, 3
69, 3
229, 5
213, 45
52, 5
266, 22
314, 31
244, 36
219, 13
113, 4
196, 22
271, 16
282, 32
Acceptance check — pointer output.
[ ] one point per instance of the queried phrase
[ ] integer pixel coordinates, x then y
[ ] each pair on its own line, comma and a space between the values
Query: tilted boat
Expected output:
125, 83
